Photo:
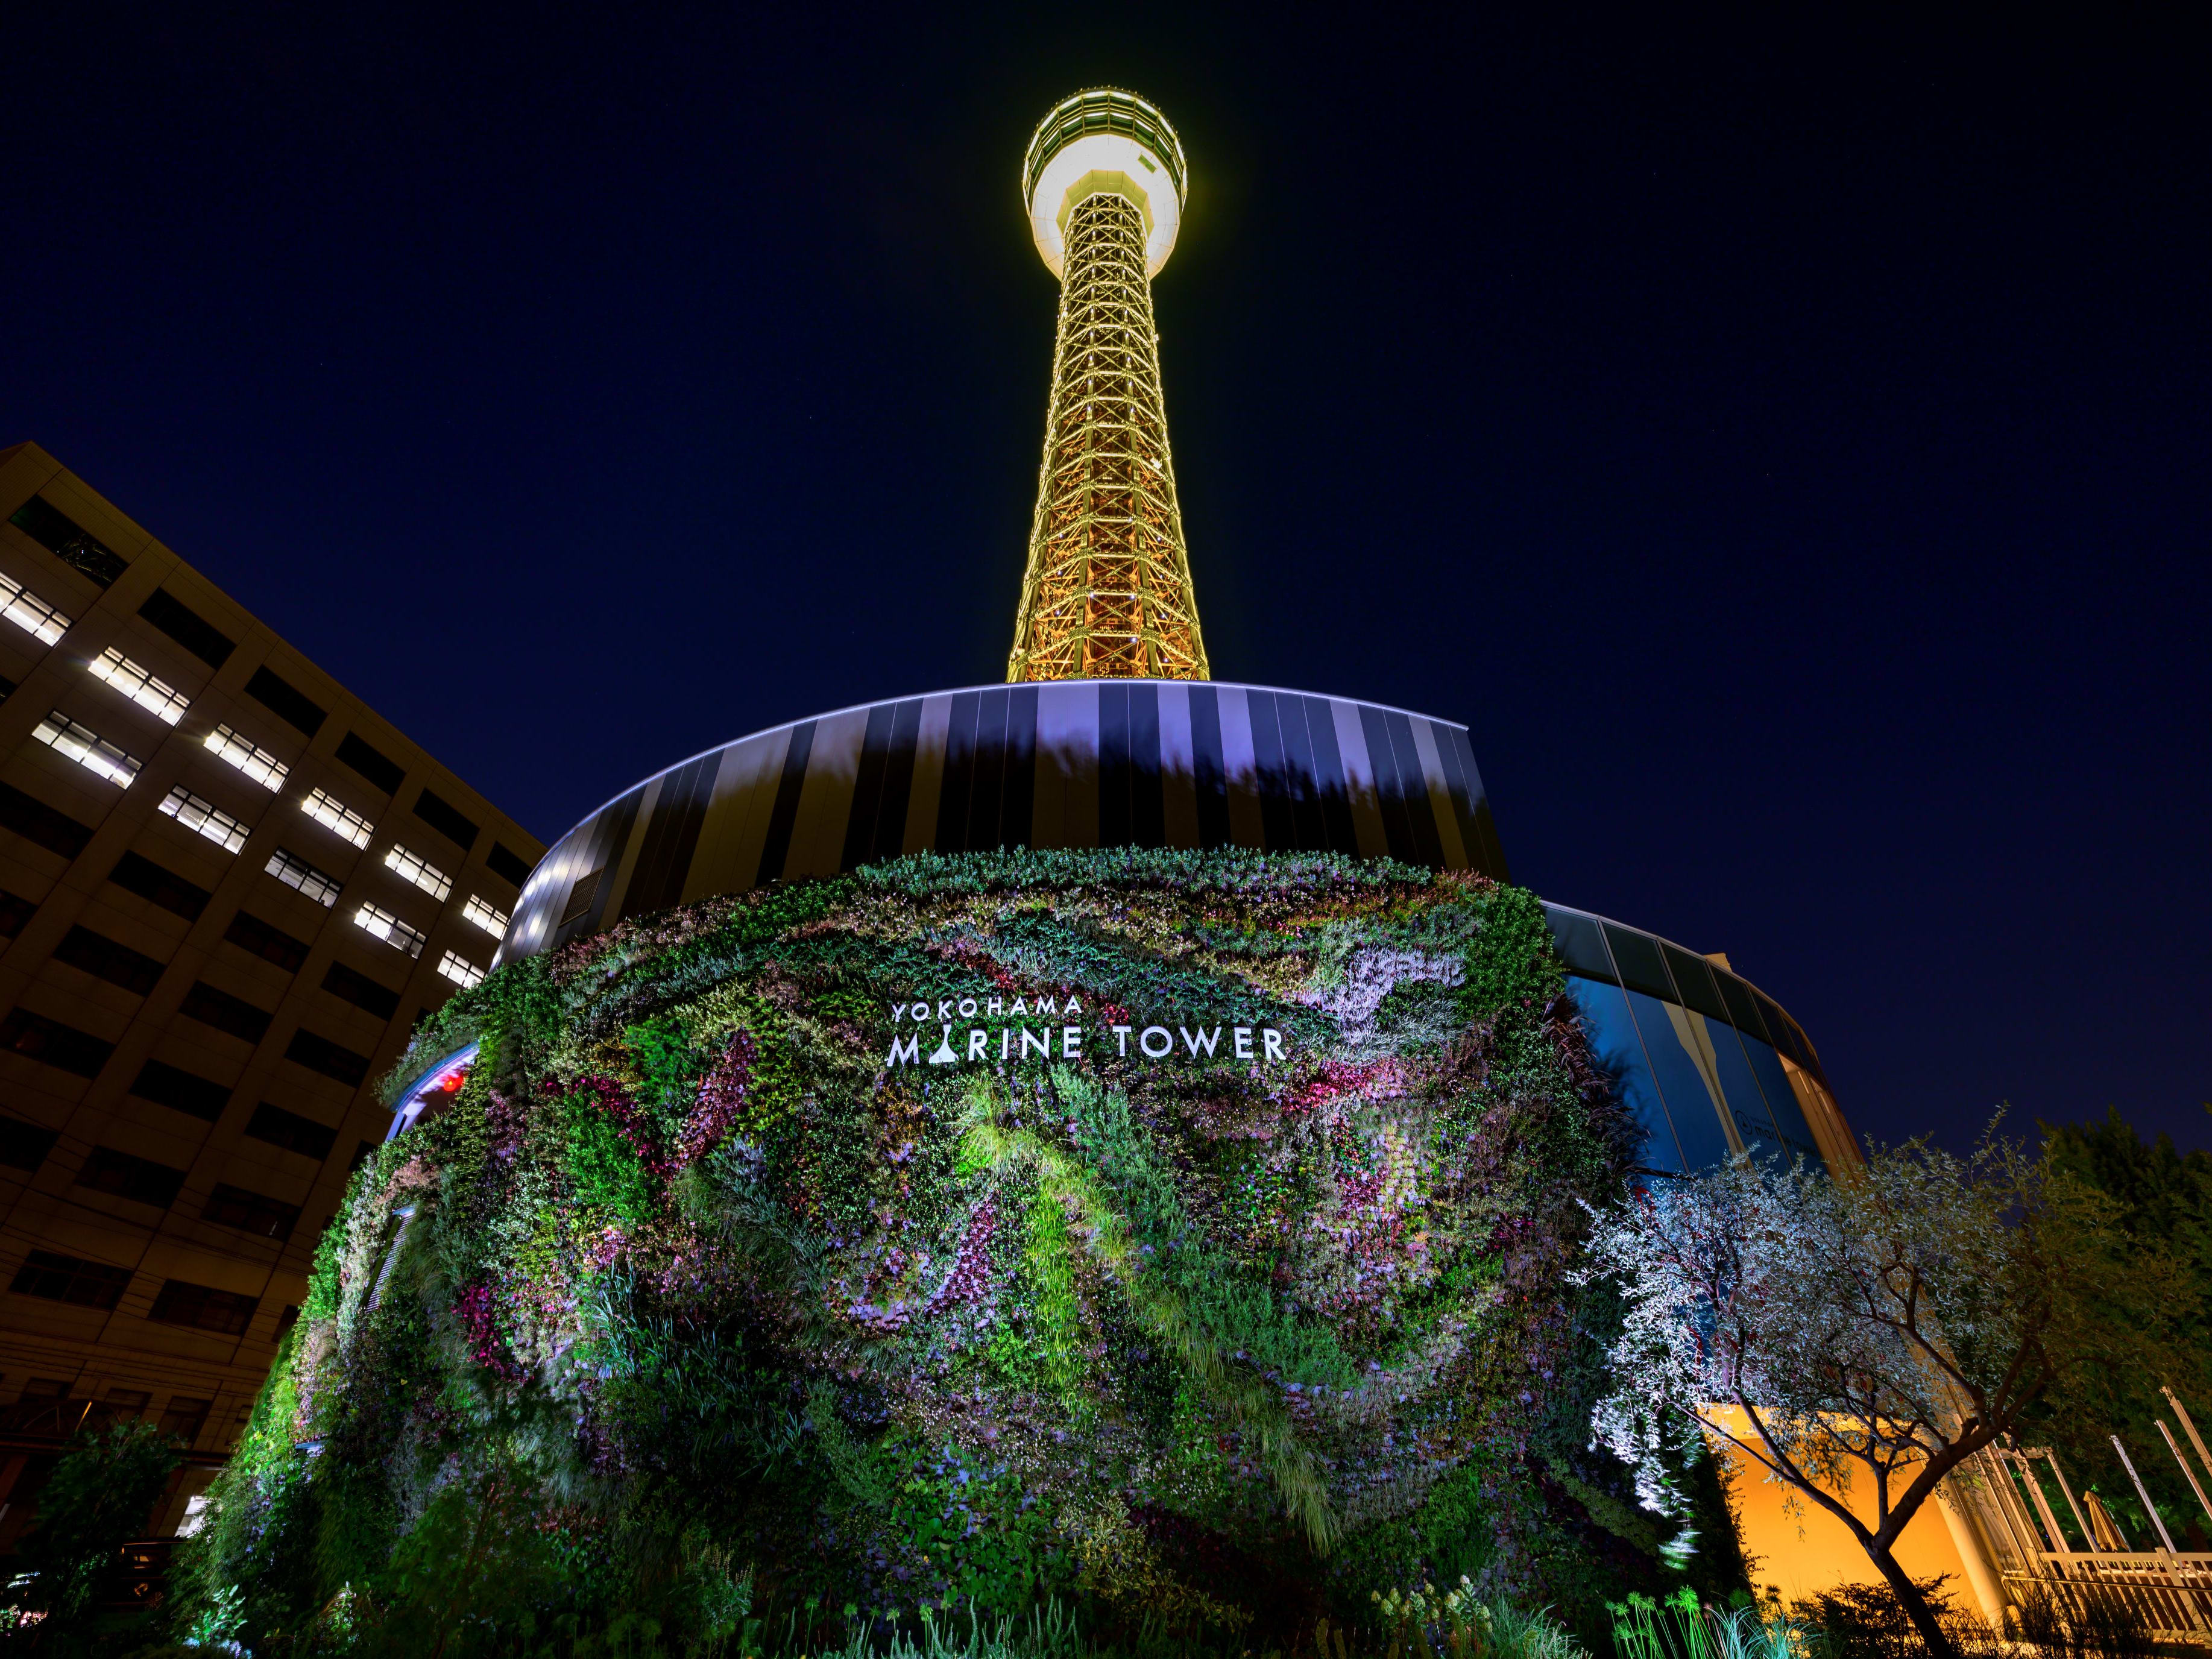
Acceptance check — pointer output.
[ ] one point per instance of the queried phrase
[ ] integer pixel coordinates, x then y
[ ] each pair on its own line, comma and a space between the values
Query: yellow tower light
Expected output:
1106, 592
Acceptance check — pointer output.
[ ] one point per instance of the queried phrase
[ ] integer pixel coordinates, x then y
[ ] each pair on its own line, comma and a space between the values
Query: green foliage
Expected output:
1681, 1627
2161, 1200
603, 1172
96, 1499
1870, 1621
1421, 1624
1039, 1345
1518, 963
692, 1296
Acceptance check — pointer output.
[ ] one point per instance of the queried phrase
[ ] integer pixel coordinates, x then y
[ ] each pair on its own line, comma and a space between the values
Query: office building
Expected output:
228, 889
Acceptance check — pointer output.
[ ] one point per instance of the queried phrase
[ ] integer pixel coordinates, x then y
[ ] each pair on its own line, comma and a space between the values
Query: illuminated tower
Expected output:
1107, 592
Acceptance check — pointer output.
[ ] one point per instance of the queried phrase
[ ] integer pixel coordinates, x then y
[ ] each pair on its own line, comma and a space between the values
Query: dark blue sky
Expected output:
1784, 446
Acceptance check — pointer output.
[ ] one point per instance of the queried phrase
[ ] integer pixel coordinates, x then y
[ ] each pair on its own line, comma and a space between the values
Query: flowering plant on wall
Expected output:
742, 1251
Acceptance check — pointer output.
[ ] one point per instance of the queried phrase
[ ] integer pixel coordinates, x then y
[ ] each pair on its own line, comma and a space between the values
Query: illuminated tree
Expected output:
1884, 1328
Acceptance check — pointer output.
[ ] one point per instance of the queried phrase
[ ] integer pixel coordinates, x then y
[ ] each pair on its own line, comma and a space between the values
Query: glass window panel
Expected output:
1790, 1038
1637, 955
374, 919
1781, 1098
31, 613
295, 871
335, 816
205, 818
1693, 978
88, 749
460, 970
248, 756
1690, 1103
1778, 1027
1812, 1056
1582, 943
1616, 1046
413, 867
1746, 1099
139, 683
1742, 1006
488, 916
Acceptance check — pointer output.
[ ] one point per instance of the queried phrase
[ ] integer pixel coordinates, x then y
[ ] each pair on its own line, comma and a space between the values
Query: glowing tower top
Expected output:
1106, 592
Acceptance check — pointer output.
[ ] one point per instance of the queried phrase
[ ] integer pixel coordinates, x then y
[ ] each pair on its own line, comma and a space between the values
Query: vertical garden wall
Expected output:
1182, 1235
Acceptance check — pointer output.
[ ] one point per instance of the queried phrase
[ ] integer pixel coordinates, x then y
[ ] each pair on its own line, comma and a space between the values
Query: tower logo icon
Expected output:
1107, 592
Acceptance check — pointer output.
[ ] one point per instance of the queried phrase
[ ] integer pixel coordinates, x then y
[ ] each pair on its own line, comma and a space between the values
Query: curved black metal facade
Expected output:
1066, 763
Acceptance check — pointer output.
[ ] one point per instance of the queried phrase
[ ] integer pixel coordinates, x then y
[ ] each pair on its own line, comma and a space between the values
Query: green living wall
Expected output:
708, 1291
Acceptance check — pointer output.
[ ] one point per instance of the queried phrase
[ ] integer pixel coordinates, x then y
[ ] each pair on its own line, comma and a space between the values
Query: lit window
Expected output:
460, 970
88, 749
29, 612
295, 871
258, 763
139, 683
205, 818
373, 919
342, 821
489, 917
425, 876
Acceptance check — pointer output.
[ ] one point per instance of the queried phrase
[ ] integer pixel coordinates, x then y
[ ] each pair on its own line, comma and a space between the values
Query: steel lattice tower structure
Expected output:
1107, 592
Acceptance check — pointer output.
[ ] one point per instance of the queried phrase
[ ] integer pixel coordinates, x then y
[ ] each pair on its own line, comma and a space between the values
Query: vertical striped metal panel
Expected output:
1071, 763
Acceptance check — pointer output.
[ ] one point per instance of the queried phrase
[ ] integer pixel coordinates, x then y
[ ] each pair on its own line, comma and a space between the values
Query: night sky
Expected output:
1786, 452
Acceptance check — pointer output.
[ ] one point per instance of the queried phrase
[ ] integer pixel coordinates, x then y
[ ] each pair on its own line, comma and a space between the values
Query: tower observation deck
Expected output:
1129, 744
1106, 592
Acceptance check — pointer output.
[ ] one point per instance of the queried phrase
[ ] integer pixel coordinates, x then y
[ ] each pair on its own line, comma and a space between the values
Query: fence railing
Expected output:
2169, 1593
2170, 1596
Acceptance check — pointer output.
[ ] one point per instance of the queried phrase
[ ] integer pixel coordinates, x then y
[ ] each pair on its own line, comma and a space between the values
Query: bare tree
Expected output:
1885, 1327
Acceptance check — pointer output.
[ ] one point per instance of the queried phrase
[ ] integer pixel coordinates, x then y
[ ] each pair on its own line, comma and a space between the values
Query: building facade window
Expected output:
52, 1044
490, 917
250, 1212
204, 1308
142, 876
87, 748
184, 1416
24, 1145
15, 912
447, 819
205, 818
379, 768
69, 1278
286, 701
249, 757
380, 923
266, 940
138, 1179
32, 819
340, 820
68, 540
332, 1059
188, 627
29, 612
181, 1090
141, 684
509, 866
225, 1012
358, 988
295, 871
460, 970
413, 867
290, 1130
103, 958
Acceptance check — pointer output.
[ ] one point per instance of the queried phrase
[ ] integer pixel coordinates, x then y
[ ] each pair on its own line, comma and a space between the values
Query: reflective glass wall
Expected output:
1708, 1064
